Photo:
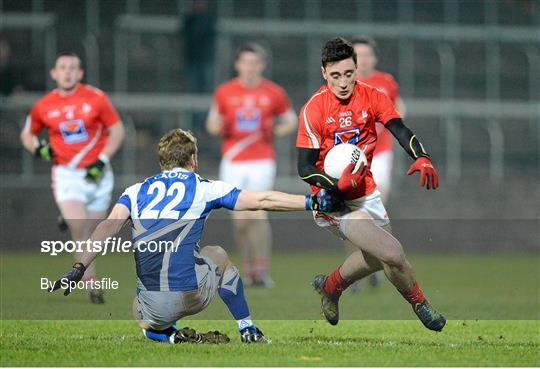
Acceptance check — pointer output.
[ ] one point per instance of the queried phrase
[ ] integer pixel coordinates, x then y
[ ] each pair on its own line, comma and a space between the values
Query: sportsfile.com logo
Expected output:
109, 245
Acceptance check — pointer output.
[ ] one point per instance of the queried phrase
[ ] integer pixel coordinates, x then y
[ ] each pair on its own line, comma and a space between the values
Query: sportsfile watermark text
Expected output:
91, 284
109, 245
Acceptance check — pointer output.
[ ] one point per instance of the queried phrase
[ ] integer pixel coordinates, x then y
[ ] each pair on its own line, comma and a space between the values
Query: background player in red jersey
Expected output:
345, 111
248, 112
84, 131
381, 165
366, 55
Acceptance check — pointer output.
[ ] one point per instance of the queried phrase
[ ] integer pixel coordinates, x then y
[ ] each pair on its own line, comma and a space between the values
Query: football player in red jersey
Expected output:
366, 55
248, 111
381, 165
345, 111
84, 132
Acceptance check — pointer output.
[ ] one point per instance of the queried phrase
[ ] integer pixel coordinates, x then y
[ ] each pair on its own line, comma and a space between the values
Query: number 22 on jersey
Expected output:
165, 201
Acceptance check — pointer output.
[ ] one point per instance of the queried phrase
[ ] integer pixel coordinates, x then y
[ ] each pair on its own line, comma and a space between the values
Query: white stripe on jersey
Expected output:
164, 273
239, 146
81, 154
313, 138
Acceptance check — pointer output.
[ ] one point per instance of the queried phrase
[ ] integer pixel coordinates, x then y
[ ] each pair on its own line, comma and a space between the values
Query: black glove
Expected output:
74, 275
325, 201
95, 171
44, 151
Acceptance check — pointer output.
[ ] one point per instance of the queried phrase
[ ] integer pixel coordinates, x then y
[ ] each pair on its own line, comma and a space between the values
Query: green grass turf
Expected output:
294, 343
483, 296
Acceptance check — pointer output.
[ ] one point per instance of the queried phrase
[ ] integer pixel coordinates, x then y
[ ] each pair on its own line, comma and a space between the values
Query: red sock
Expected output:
335, 284
260, 268
414, 295
248, 270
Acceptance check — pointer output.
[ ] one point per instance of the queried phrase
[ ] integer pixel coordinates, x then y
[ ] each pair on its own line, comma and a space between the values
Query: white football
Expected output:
340, 156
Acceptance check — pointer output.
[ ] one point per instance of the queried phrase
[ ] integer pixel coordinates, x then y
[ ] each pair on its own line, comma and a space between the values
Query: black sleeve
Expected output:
310, 173
406, 138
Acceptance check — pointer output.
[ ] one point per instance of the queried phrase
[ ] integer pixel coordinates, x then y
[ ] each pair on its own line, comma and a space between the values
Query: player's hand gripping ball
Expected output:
340, 156
348, 163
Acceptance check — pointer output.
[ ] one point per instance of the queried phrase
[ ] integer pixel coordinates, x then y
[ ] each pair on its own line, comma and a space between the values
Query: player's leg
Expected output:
75, 214
234, 174
163, 334
381, 169
98, 200
240, 226
260, 176
360, 229
359, 265
350, 249
159, 330
70, 192
255, 236
231, 291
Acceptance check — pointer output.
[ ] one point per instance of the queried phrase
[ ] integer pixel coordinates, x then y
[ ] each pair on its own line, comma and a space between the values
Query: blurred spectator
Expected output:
10, 77
199, 39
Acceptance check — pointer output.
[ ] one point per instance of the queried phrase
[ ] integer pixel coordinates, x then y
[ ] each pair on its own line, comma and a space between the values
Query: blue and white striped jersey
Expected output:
168, 212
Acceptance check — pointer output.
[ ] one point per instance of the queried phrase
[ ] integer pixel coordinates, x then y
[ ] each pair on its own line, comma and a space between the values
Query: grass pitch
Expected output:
483, 296
294, 343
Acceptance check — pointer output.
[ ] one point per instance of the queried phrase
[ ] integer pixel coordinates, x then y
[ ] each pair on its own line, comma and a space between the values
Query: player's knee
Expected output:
394, 256
217, 254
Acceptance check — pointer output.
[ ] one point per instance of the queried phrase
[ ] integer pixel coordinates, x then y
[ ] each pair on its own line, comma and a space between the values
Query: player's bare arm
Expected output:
29, 141
214, 123
107, 228
281, 201
96, 170
401, 107
286, 123
116, 136
411, 144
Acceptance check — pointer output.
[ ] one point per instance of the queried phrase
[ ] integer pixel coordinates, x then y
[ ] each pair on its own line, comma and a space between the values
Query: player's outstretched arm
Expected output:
281, 201
422, 163
107, 228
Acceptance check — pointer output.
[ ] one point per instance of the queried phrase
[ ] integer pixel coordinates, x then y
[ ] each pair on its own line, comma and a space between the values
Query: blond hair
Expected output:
176, 148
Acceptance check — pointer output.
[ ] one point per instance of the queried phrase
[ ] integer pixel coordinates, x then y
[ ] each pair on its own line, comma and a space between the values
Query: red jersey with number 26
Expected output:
77, 124
387, 84
326, 121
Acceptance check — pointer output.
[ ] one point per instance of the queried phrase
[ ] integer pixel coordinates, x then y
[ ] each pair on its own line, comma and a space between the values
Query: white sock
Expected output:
243, 323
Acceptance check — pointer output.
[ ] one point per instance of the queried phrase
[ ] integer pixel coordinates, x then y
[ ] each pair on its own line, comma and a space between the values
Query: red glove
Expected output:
352, 186
427, 172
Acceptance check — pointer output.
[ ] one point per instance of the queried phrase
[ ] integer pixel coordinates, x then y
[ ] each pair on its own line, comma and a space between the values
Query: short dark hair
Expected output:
366, 40
70, 54
251, 47
337, 49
